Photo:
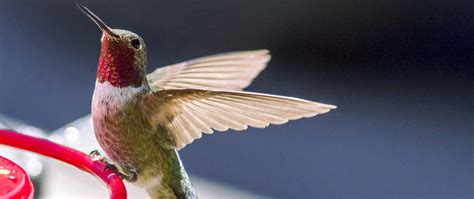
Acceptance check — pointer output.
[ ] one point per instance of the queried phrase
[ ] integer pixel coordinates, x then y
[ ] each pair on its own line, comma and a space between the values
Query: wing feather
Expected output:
227, 71
194, 111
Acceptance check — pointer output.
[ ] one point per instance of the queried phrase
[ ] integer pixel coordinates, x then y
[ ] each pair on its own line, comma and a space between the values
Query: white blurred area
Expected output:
31, 162
59, 180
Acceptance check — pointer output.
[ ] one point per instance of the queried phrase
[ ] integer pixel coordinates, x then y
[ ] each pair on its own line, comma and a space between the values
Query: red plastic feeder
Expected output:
45, 147
14, 182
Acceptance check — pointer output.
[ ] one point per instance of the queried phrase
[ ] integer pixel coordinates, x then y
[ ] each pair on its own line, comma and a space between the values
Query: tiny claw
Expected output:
111, 167
94, 153
96, 156
131, 177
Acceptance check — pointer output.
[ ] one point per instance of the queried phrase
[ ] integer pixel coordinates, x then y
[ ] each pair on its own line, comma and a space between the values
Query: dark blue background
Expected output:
401, 73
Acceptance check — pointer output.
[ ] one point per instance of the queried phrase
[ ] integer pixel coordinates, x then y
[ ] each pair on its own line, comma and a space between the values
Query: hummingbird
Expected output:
142, 120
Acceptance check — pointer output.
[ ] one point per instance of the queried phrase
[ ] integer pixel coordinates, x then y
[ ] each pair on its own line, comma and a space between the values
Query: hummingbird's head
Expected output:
122, 60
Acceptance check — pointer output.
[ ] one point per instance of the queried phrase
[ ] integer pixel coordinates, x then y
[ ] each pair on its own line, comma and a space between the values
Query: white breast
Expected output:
108, 98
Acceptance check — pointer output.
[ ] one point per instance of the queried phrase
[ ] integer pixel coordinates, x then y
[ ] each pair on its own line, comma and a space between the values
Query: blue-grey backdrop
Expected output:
400, 71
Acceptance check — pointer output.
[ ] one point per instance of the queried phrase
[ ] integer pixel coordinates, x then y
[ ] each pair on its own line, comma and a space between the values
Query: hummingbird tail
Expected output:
175, 184
164, 191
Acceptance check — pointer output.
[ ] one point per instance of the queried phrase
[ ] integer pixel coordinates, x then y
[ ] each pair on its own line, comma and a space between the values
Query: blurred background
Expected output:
401, 73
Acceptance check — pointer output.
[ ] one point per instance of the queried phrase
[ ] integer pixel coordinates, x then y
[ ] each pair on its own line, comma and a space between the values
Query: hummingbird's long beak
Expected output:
96, 20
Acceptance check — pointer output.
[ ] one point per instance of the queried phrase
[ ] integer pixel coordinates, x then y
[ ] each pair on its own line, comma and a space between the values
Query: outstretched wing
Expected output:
183, 115
227, 71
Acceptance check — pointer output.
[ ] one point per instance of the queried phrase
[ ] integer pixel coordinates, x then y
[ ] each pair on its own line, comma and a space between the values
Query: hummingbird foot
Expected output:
96, 156
129, 174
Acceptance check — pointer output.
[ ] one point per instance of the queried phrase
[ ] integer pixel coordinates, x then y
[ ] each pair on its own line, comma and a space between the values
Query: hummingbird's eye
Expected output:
135, 43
